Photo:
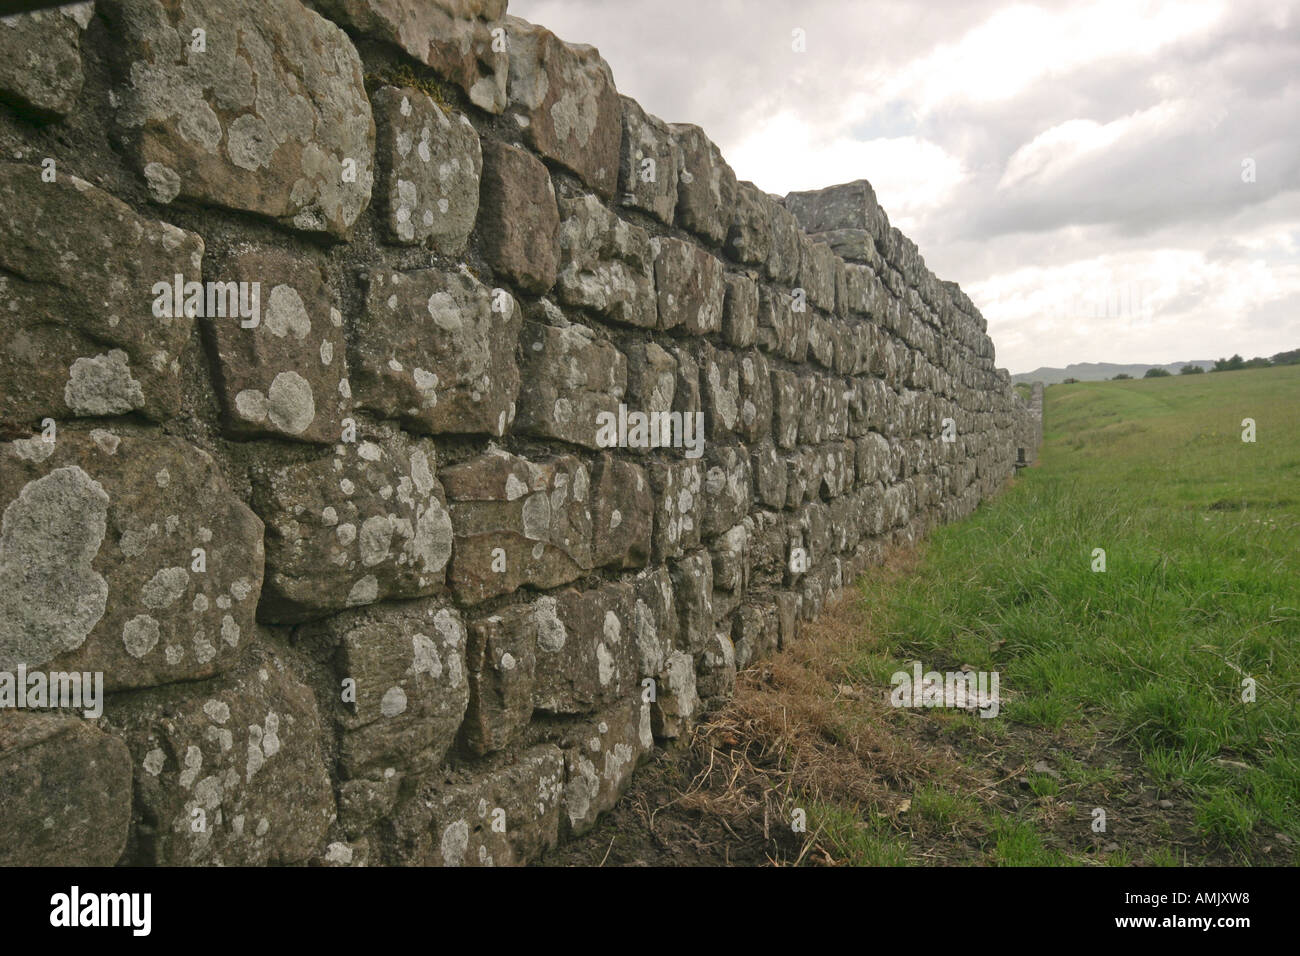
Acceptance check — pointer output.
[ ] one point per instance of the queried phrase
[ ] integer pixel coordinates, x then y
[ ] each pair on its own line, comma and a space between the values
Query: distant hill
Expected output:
1100, 371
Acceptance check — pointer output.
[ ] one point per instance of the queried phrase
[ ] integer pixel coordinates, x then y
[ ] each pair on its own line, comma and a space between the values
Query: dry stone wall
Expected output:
337, 342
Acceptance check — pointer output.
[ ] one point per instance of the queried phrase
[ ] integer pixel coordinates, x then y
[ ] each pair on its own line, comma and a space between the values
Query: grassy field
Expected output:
1201, 591
1121, 691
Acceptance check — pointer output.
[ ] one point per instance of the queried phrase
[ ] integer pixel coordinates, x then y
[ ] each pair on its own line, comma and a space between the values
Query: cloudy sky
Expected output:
1083, 169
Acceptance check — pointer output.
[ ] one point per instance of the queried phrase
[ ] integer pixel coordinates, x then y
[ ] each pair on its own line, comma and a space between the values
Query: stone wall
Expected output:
365, 578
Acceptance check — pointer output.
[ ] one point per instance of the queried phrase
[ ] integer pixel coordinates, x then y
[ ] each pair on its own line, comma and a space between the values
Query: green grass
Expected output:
865, 842
1201, 533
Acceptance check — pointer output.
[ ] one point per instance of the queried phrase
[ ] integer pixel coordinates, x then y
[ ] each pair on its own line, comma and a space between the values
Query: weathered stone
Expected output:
676, 699
817, 273
623, 514
431, 162
706, 185
874, 461
647, 168
768, 547
587, 653
837, 469
768, 470
436, 351
749, 238
85, 342
366, 525
606, 264
676, 487
364, 801
854, 245
65, 789
227, 773
287, 376
821, 346
654, 620
783, 258
573, 377
407, 667
453, 37
517, 523
599, 759
721, 392
693, 590
504, 818
782, 329
651, 379
740, 311
272, 118
848, 206
755, 397
518, 221
40, 58
689, 286
502, 663
812, 427
804, 476
755, 633
715, 669
728, 489
730, 570
125, 555
564, 98
686, 392
786, 408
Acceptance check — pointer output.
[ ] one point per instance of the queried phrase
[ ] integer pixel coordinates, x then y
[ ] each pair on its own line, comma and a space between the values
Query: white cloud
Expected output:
911, 176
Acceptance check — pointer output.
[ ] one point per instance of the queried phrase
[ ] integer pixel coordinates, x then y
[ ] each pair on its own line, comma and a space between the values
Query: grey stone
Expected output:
689, 286
847, 206
518, 523
453, 37
272, 119
502, 663
606, 264
407, 663
623, 514
98, 568
518, 221
431, 162
648, 161
86, 343
692, 578
599, 758
573, 378
587, 653
506, 817
65, 787
227, 773
749, 238
740, 311
706, 185
367, 524
40, 58
755, 397
563, 97
676, 487
286, 377
436, 351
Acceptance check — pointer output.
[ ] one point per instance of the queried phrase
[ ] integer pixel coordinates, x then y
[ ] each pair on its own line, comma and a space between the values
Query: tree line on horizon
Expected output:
1233, 364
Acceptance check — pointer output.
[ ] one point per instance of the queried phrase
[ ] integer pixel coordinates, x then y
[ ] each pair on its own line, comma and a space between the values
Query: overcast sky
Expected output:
1078, 167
